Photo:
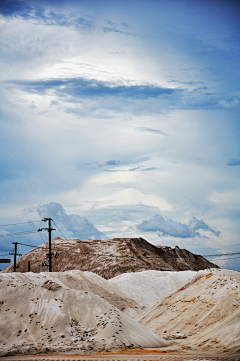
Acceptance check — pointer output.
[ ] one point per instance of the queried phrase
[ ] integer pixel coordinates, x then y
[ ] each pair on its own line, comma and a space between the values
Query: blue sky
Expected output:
121, 119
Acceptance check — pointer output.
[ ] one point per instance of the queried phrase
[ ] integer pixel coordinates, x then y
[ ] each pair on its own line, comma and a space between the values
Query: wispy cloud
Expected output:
37, 12
113, 162
148, 169
83, 88
138, 99
151, 130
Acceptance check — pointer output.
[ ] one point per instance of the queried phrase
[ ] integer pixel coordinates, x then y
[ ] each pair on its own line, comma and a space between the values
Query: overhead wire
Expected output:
223, 259
95, 254
14, 224
17, 233
61, 232
41, 236
124, 256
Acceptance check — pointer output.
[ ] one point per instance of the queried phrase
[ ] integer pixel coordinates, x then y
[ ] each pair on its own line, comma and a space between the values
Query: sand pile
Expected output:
204, 313
50, 318
148, 287
87, 281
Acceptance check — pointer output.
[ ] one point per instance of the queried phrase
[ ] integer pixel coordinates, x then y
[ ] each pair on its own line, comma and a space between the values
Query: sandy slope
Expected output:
87, 281
205, 310
147, 287
49, 318
222, 336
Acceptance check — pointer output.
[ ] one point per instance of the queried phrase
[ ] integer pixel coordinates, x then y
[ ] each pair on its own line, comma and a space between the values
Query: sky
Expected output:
121, 119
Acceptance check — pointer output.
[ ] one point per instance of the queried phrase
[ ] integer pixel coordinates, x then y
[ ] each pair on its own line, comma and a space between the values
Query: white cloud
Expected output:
71, 225
176, 229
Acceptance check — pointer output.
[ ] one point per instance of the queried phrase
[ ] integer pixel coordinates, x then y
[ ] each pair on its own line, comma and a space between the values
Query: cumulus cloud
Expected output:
72, 224
196, 225
169, 227
175, 229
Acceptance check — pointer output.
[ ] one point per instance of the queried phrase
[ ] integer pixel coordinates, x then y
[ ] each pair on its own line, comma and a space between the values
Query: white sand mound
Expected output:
204, 310
50, 318
86, 281
148, 287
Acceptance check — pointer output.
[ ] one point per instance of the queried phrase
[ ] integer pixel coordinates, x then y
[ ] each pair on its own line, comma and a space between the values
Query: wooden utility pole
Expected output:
15, 254
49, 229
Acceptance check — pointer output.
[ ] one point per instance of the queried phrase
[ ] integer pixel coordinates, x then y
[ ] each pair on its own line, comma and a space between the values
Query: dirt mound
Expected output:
36, 319
111, 258
205, 311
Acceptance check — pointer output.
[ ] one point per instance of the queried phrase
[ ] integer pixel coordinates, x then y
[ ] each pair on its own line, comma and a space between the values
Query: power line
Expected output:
4, 255
59, 230
219, 255
41, 236
95, 254
125, 256
17, 233
223, 259
14, 224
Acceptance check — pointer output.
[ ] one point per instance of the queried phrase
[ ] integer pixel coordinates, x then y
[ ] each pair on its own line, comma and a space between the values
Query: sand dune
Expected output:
50, 318
204, 313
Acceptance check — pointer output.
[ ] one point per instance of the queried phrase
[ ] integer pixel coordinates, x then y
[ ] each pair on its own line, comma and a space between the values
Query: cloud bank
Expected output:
175, 229
72, 224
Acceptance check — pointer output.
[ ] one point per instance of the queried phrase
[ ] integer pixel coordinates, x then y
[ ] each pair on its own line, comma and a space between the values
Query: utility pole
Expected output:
49, 229
15, 256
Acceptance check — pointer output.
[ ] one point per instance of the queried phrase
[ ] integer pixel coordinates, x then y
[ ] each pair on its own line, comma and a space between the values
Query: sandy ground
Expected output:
132, 355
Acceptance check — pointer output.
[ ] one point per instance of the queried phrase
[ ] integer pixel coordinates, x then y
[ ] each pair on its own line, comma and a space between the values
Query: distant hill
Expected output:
109, 258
